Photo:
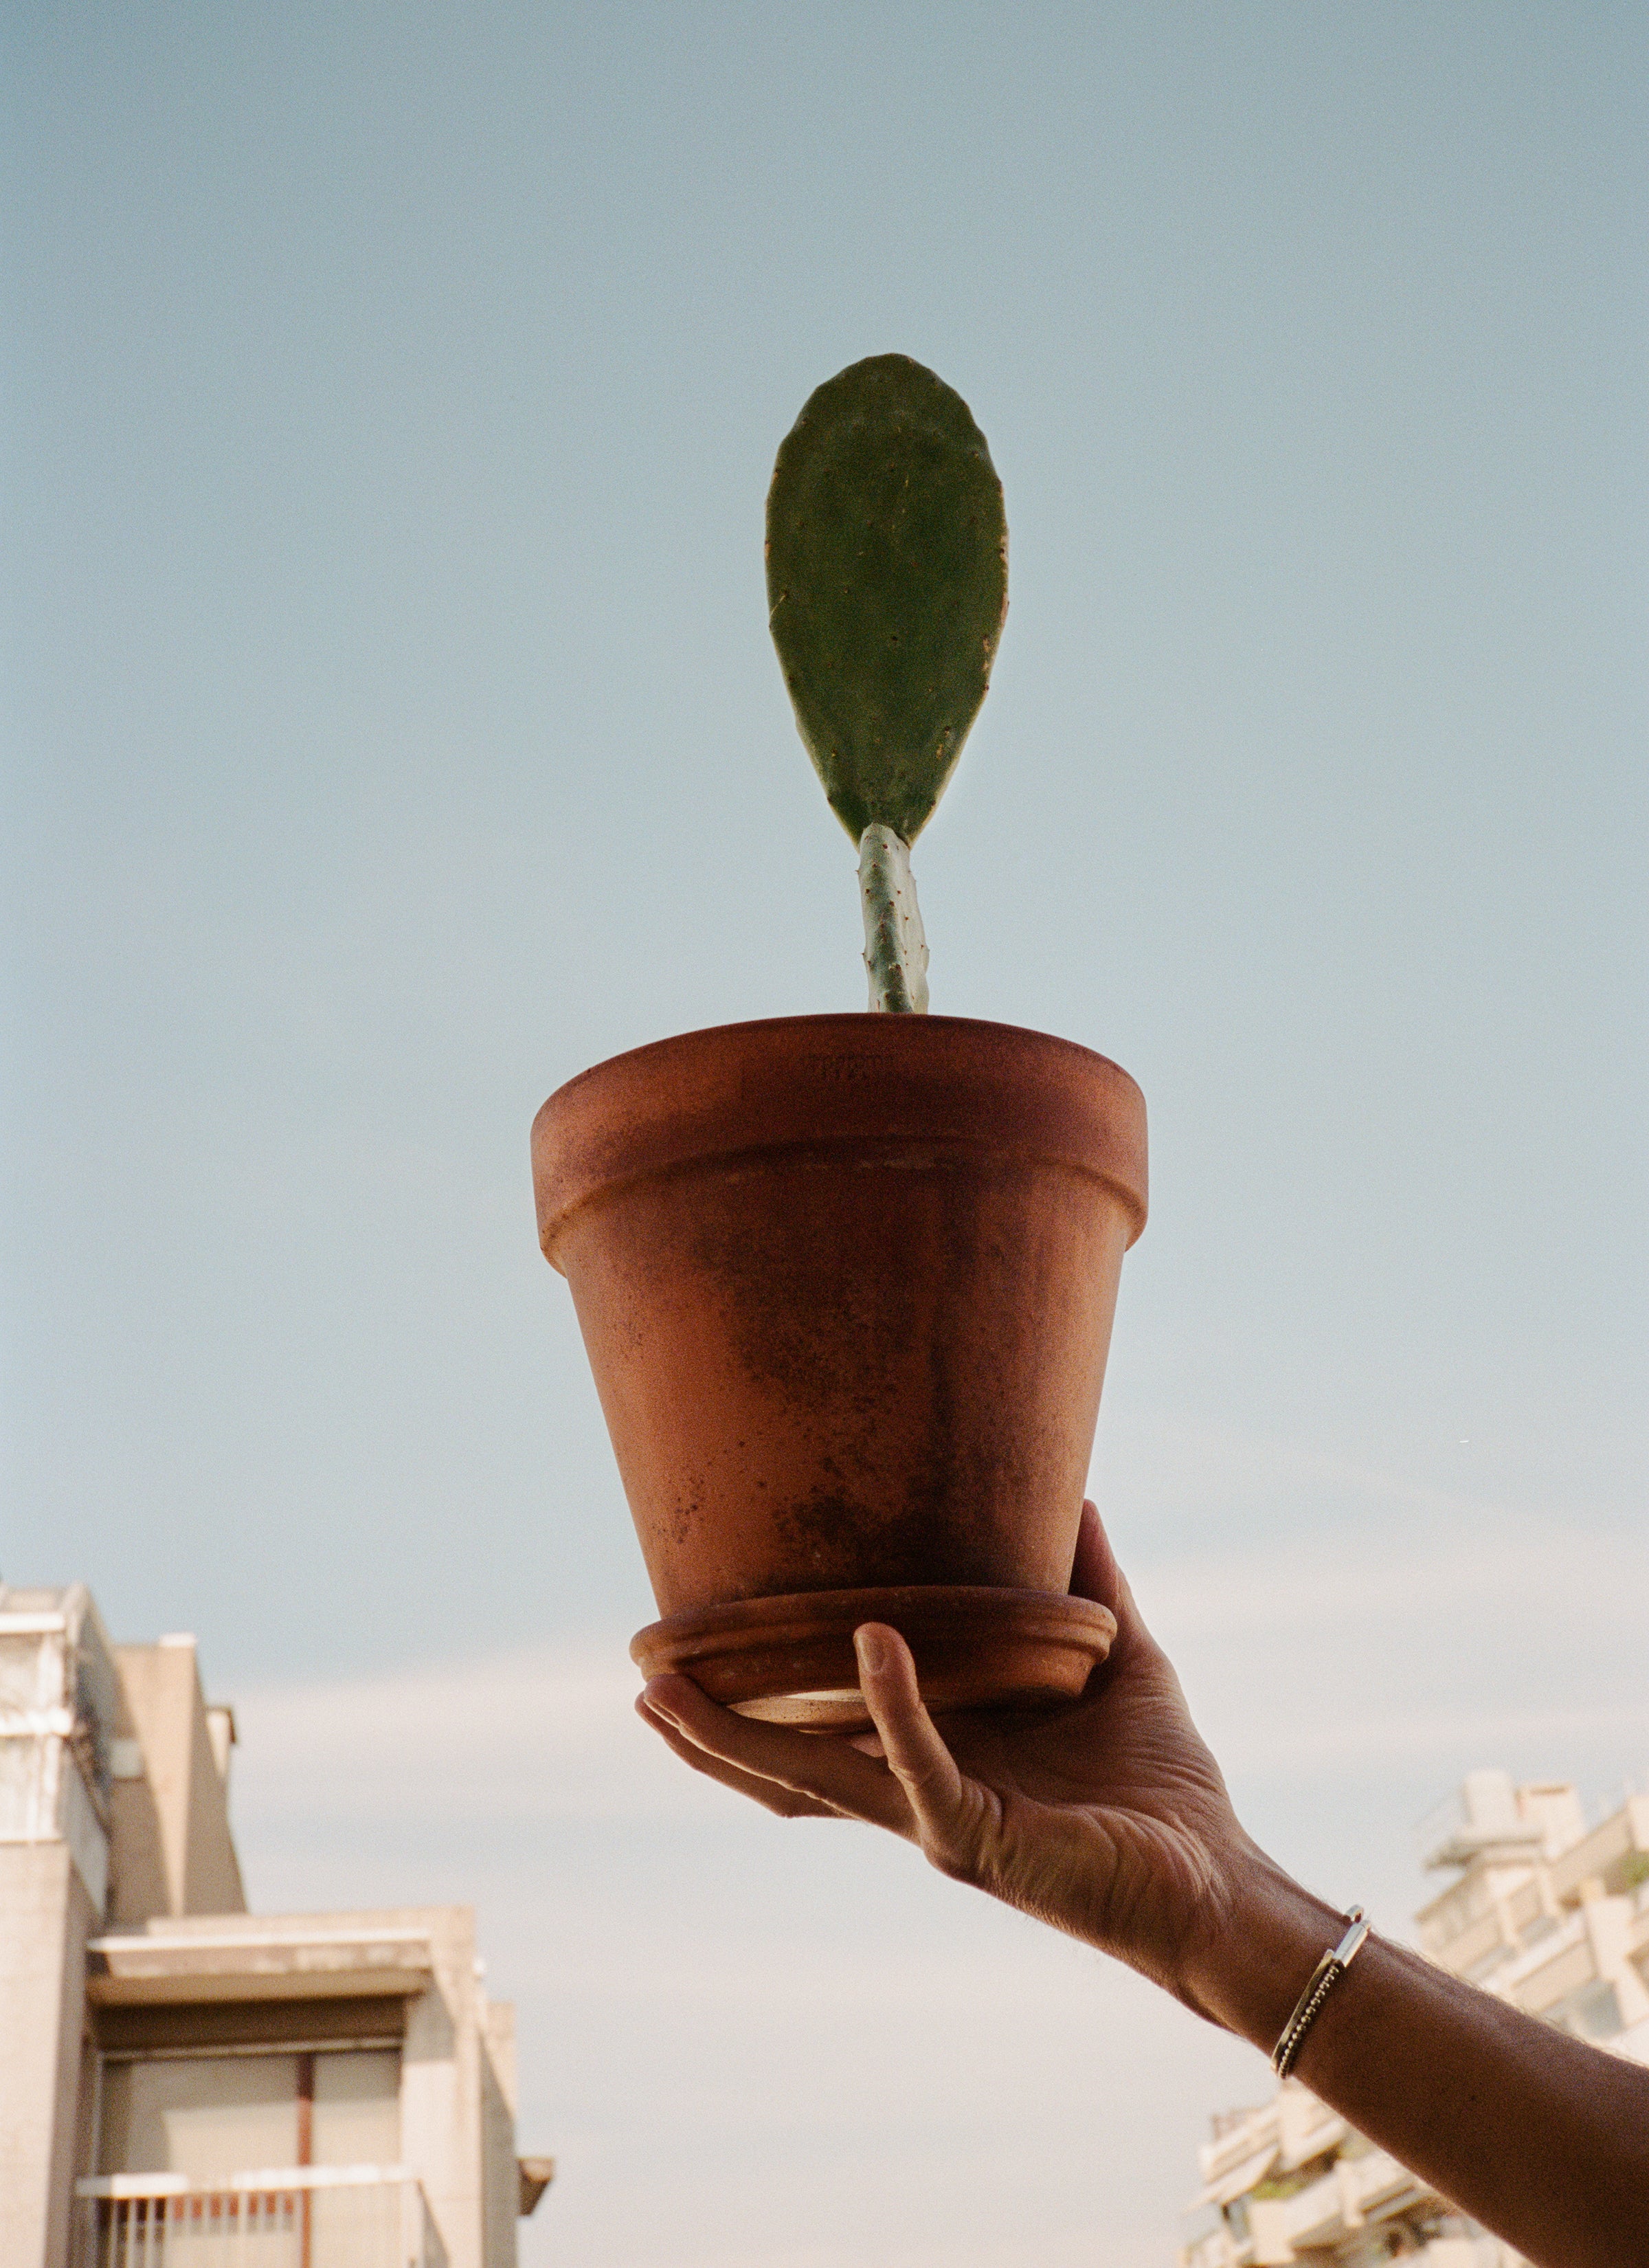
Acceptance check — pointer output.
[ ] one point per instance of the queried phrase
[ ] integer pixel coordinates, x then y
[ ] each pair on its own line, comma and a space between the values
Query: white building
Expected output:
1541, 1913
182, 2083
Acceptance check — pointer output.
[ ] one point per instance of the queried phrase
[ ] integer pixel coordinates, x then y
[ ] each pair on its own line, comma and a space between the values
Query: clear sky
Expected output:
387, 402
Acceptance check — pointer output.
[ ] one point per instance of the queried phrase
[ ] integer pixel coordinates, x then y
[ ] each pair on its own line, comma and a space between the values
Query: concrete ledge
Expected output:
244, 1965
266, 2181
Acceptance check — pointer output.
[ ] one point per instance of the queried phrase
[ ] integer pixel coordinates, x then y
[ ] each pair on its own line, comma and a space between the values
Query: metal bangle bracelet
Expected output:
1324, 1977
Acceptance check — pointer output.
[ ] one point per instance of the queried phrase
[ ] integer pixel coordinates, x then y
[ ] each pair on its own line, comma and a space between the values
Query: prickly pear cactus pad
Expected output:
888, 584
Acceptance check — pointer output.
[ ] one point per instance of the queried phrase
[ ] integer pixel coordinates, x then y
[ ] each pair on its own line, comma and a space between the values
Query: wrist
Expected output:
1248, 1965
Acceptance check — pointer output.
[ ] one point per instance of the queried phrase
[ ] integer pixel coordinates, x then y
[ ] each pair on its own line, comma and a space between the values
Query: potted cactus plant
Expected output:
846, 1282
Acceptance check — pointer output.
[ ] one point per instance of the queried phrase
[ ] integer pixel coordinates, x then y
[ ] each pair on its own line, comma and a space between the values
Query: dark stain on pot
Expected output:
683, 1516
846, 1543
820, 1300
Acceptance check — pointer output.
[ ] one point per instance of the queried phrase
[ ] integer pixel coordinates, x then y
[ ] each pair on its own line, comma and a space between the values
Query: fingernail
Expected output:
872, 1652
657, 1708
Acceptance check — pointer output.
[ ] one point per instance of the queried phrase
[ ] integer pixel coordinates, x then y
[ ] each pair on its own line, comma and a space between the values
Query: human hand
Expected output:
1107, 1816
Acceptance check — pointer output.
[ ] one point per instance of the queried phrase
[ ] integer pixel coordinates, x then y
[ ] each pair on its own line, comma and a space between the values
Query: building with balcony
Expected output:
184, 2083
1539, 1911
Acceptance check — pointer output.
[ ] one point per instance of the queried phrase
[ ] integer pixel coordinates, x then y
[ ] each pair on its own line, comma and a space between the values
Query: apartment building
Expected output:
183, 2083
1539, 1909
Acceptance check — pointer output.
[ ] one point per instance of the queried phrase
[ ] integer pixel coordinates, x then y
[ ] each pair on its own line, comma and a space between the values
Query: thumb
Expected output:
917, 1755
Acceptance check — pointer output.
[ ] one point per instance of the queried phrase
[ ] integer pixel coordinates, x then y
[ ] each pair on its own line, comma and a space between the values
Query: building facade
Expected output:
1541, 1911
182, 2082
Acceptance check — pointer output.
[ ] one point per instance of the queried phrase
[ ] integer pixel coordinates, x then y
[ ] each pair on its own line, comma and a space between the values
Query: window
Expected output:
357, 2119
210, 2117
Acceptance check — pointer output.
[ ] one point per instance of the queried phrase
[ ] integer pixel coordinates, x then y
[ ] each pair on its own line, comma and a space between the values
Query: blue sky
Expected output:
388, 400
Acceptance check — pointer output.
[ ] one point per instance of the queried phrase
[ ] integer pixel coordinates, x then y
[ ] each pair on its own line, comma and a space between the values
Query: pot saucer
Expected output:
790, 1661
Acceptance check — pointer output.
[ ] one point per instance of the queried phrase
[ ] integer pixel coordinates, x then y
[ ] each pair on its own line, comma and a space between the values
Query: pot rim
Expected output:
928, 1087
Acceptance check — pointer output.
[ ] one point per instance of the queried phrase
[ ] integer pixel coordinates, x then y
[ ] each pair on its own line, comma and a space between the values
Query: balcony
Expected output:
280, 2217
1481, 1819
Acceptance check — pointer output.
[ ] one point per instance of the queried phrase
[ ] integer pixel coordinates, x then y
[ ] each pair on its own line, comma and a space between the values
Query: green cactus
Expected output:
887, 574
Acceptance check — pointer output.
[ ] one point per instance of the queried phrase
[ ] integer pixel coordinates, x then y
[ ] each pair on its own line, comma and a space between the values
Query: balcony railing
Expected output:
280, 2217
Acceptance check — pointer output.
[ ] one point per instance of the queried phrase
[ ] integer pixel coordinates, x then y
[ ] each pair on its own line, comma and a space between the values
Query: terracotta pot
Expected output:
846, 1283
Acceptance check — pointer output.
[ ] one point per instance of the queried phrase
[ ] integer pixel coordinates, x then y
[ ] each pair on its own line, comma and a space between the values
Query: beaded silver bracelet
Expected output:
1324, 1977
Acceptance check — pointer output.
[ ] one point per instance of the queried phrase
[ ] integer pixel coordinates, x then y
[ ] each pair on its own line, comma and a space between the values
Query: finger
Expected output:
917, 1755
1095, 1575
807, 1763
784, 1801
1135, 1654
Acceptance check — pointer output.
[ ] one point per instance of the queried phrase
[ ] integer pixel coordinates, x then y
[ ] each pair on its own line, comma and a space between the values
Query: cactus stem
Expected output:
896, 950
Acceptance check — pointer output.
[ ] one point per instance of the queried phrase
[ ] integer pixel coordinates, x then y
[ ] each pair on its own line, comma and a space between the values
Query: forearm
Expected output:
1543, 2140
